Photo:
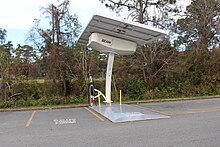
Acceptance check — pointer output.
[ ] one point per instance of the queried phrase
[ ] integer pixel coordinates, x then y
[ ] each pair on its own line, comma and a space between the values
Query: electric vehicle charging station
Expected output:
118, 37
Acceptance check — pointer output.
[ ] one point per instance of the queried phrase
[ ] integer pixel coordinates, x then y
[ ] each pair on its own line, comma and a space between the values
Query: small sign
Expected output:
106, 41
65, 121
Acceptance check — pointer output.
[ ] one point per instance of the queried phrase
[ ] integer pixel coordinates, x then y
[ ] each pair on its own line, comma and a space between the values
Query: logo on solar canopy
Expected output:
106, 41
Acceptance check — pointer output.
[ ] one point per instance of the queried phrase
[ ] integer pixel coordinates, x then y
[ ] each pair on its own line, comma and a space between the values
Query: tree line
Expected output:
52, 68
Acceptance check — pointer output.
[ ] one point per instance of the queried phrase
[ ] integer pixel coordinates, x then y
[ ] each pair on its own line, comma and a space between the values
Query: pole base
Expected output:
127, 113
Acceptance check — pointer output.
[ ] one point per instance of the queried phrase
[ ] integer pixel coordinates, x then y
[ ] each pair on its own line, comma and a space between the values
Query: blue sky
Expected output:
16, 16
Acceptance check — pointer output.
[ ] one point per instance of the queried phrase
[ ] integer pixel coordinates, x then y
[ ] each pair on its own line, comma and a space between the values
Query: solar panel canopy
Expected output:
114, 36
130, 31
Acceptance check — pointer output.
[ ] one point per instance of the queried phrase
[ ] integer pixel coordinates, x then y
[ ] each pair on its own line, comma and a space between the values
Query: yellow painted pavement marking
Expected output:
94, 114
184, 113
193, 111
30, 119
206, 108
142, 107
199, 110
165, 112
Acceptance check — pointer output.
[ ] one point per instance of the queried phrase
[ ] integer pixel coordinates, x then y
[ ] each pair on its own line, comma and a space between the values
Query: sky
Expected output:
16, 16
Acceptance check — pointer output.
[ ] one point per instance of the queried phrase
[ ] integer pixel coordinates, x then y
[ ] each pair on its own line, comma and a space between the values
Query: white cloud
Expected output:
85, 10
19, 14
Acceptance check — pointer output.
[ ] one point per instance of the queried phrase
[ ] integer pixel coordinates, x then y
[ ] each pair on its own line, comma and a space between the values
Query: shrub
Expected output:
77, 99
25, 89
136, 89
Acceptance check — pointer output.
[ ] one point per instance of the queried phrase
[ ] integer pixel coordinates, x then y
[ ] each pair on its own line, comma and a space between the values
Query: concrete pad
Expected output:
125, 113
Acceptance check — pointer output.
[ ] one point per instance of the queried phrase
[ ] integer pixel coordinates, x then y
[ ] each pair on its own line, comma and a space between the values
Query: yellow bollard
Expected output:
99, 98
120, 96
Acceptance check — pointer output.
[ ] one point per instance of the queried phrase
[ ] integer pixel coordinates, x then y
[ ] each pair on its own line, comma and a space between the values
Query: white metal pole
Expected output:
109, 77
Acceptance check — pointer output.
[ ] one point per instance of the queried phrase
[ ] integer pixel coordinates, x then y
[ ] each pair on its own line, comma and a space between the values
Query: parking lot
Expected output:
192, 123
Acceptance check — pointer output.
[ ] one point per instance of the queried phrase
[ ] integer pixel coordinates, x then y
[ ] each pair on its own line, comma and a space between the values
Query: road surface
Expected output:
192, 123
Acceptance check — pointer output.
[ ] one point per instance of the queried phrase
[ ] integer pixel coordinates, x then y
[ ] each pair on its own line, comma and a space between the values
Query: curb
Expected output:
43, 108
172, 100
126, 102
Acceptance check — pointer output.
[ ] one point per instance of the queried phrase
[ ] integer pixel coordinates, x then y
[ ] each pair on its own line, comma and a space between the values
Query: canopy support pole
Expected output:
109, 77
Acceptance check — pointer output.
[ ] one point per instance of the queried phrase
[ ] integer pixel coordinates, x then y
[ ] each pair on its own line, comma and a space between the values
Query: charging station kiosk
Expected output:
113, 36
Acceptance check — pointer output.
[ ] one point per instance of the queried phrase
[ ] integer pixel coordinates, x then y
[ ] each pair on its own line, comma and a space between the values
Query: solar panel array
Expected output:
138, 33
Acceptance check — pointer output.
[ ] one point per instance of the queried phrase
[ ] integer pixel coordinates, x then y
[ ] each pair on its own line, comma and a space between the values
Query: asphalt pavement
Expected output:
192, 123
